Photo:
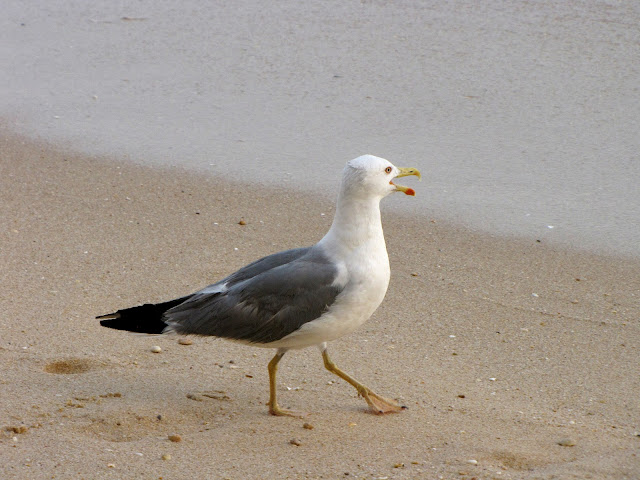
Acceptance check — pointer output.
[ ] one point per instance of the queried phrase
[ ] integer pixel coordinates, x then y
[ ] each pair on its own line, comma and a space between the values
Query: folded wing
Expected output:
259, 304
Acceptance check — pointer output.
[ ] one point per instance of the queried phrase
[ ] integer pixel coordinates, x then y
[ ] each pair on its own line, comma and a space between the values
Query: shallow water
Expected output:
523, 118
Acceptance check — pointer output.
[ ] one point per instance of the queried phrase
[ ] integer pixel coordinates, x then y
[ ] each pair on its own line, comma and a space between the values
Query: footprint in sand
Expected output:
212, 394
70, 366
124, 426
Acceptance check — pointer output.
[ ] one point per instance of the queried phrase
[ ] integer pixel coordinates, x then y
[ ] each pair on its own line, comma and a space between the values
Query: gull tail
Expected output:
147, 318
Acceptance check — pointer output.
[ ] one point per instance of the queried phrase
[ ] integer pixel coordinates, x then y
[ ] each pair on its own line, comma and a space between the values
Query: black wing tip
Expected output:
147, 318
144, 325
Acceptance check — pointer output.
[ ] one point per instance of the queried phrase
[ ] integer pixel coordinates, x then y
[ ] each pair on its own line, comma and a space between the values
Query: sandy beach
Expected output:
517, 360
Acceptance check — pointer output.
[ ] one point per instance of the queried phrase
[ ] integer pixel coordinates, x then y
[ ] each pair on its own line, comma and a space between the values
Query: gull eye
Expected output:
388, 170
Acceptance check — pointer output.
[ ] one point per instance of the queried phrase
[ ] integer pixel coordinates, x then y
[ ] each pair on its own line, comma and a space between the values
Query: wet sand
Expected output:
526, 113
502, 348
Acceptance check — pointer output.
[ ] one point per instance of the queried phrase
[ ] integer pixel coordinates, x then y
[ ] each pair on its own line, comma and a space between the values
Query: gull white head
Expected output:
373, 176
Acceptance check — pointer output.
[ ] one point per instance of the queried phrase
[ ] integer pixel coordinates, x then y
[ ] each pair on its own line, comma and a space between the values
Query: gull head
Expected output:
373, 176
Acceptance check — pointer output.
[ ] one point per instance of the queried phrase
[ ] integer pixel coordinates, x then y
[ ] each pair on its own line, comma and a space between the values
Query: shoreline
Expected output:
501, 347
316, 195
519, 134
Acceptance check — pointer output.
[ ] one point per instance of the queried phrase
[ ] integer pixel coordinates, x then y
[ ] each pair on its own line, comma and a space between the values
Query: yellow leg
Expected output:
376, 403
274, 408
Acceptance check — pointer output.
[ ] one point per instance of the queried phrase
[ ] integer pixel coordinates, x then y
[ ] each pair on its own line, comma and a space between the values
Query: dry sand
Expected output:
501, 347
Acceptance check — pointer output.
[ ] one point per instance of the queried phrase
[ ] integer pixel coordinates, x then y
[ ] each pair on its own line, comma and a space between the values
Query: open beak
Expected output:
405, 172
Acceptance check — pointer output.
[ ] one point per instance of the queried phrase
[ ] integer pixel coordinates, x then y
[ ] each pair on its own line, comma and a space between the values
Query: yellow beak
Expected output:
405, 172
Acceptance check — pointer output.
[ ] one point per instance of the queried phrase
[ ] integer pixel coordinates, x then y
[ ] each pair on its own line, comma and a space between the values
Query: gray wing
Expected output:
266, 263
255, 268
264, 307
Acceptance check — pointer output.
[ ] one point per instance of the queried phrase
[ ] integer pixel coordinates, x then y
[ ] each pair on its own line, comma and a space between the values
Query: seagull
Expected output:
301, 297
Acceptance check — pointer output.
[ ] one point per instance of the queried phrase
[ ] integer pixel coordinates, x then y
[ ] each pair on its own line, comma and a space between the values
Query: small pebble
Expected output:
242, 222
295, 441
566, 442
156, 349
398, 465
185, 341
307, 426
166, 456
472, 461
111, 465
175, 438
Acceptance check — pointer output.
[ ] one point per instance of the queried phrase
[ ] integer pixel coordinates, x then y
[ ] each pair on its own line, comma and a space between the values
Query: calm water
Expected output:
522, 116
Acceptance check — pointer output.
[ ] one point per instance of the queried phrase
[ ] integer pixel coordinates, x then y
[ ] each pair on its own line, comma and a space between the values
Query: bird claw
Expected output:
277, 411
381, 405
